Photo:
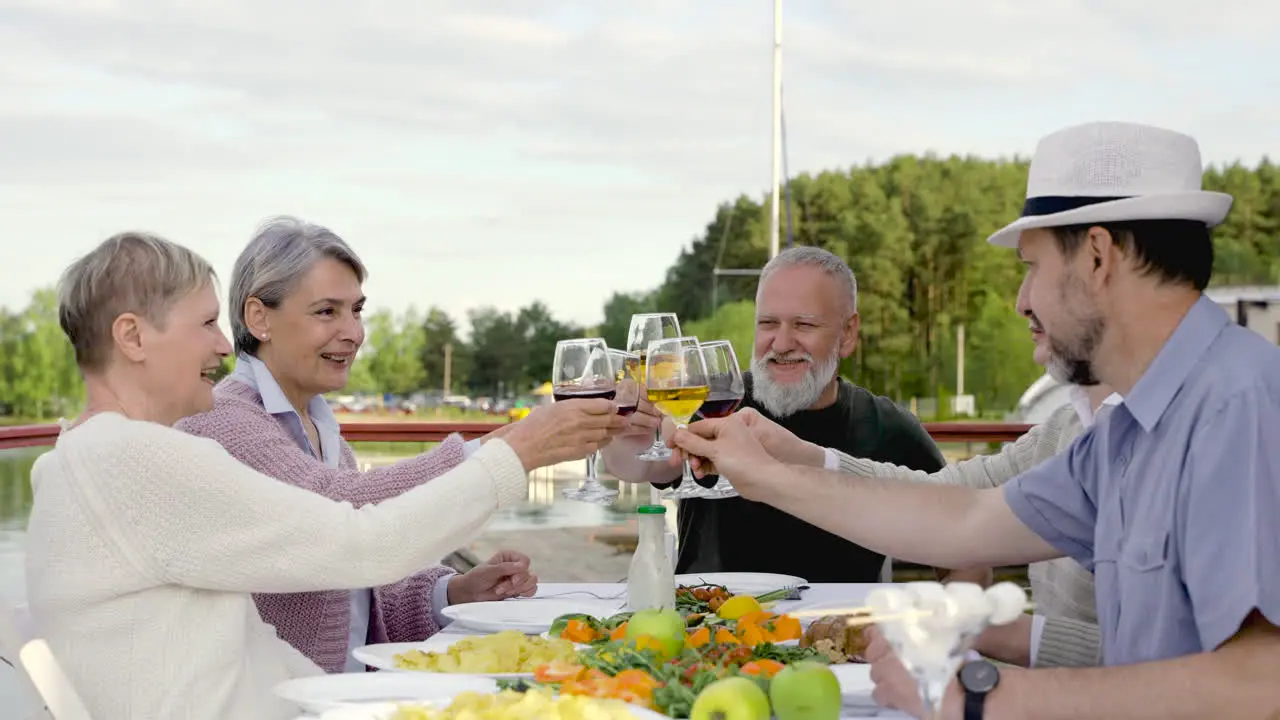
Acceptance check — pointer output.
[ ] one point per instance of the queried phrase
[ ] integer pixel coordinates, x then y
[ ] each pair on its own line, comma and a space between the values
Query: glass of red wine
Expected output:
646, 328
582, 369
724, 377
629, 375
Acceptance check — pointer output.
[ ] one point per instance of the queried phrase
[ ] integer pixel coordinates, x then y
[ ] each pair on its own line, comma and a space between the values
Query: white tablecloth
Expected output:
843, 593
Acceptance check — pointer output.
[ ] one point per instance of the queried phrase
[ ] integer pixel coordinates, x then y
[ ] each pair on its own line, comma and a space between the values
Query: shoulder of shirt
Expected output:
234, 405
858, 399
1240, 366
112, 438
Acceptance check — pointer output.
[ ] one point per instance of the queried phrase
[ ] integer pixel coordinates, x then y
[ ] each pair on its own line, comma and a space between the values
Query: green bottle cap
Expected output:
652, 509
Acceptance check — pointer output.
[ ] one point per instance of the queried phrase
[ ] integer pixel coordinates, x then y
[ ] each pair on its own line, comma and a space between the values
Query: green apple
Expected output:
664, 626
733, 698
805, 690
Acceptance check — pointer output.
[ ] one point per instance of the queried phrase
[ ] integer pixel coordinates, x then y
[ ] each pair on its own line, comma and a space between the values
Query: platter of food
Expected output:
741, 583
498, 706
508, 654
318, 693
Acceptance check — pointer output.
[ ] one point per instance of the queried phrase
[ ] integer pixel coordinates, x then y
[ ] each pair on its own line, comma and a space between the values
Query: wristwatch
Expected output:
977, 678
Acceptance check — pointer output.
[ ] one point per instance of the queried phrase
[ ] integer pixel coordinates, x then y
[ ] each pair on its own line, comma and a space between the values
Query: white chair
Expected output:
55, 687
15, 631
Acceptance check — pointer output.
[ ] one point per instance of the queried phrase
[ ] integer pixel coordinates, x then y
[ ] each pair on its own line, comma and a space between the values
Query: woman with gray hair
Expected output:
295, 306
145, 543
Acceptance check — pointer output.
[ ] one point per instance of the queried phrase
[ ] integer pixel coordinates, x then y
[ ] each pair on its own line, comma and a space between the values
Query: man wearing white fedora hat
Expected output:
1172, 499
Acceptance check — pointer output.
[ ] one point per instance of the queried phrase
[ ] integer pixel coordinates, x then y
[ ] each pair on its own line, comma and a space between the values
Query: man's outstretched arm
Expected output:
942, 526
952, 527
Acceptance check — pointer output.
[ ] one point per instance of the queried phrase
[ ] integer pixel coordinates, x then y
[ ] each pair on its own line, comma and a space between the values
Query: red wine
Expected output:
625, 410
707, 481
718, 406
587, 394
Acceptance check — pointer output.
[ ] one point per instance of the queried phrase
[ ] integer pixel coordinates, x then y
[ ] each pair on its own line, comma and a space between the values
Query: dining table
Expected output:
813, 596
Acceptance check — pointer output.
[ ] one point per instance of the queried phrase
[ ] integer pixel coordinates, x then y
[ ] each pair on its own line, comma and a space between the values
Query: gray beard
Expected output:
785, 400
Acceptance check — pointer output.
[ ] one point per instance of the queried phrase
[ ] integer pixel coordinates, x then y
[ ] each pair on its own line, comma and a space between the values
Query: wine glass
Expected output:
676, 383
645, 328
629, 375
582, 369
724, 378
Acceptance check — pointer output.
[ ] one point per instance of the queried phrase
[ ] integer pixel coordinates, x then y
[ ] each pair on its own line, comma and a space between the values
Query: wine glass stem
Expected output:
657, 439
591, 480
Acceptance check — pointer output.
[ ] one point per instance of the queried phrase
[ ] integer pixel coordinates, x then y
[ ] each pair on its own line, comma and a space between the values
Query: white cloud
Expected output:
502, 151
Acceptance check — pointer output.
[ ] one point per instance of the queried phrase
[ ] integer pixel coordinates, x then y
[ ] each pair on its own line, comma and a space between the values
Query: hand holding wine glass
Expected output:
724, 378
582, 370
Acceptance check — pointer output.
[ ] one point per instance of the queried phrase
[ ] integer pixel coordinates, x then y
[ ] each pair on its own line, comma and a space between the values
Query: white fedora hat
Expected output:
1112, 172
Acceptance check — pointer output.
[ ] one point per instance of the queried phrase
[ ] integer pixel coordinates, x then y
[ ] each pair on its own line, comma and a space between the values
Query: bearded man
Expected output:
806, 322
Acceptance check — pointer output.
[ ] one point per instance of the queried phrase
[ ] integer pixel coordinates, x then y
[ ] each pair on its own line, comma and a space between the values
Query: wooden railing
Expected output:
19, 436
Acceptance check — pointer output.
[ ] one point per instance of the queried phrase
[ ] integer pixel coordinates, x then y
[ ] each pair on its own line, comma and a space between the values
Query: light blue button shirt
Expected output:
253, 372
1173, 500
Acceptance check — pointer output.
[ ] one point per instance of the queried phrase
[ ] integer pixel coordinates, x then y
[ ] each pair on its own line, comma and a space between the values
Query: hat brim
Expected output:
1209, 208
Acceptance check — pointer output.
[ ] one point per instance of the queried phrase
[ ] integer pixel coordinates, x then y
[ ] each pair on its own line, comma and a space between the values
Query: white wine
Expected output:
679, 403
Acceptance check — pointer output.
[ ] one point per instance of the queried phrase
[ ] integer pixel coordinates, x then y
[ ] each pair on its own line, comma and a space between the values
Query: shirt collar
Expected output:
254, 373
1085, 410
1171, 368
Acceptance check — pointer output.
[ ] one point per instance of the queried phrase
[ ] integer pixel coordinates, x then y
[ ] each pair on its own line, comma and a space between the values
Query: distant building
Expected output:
1256, 307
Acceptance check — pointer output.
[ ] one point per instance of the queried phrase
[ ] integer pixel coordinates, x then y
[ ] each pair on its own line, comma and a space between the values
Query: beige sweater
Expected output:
144, 544
1063, 589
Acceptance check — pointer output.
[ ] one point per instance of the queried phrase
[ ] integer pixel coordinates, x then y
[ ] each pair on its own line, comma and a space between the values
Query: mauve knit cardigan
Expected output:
318, 623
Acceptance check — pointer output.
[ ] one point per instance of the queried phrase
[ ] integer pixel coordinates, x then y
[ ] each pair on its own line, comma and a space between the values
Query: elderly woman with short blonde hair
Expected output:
145, 543
295, 304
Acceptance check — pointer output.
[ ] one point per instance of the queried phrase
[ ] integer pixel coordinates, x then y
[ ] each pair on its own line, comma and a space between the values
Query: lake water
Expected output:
544, 508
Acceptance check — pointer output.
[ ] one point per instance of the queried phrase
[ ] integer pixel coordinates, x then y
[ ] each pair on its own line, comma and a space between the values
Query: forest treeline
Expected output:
913, 229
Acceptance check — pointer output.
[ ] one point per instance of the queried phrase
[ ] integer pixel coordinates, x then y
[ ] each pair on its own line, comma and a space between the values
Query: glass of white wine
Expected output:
676, 384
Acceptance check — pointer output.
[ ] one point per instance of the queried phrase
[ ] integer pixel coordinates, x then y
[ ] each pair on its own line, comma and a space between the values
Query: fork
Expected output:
792, 592
617, 596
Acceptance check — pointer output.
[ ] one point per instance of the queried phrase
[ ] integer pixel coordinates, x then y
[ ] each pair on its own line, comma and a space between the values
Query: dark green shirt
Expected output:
739, 535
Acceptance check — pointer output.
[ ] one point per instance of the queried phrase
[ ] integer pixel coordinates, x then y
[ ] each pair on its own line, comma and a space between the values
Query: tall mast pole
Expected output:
777, 128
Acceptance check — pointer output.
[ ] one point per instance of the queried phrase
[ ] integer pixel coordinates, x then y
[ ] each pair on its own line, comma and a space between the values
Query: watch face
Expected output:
979, 676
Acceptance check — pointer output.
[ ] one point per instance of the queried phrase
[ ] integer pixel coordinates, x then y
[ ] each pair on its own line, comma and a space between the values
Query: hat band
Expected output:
1050, 204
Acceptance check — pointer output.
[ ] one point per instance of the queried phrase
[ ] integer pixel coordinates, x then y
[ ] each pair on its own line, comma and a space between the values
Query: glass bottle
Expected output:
651, 582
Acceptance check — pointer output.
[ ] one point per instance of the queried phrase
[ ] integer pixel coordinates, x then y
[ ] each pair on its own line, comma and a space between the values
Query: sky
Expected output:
494, 152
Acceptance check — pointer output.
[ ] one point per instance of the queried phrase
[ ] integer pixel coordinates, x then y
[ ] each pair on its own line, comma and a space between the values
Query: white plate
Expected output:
855, 679
383, 655
853, 600
742, 583
325, 692
531, 616
383, 711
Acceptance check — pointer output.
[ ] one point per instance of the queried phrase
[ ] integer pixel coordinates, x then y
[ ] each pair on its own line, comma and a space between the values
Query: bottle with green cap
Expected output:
651, 583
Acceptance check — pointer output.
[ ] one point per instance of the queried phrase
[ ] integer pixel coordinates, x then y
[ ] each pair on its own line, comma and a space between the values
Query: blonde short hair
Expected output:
131, 272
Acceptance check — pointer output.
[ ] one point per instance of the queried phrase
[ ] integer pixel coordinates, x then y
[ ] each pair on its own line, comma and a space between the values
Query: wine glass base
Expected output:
655, 454
683, 492
598, 497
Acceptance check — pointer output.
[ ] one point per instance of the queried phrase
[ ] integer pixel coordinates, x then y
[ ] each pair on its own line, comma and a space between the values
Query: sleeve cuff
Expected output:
440, 599
1037, 630
830, 460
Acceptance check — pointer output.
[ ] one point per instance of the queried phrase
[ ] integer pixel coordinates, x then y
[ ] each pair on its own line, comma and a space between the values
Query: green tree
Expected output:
395, 351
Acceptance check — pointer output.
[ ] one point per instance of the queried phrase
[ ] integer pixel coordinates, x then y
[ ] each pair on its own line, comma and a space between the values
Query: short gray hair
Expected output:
130, 272
826, 261
282, 250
